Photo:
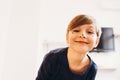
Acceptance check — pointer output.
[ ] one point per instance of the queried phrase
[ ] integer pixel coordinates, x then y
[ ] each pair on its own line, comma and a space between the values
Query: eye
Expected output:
76, 30
90, 32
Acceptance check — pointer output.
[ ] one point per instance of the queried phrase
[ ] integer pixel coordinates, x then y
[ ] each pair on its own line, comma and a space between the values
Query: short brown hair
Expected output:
81, 20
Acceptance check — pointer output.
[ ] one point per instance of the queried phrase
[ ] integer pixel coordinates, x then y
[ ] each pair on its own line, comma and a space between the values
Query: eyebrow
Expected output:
92, 27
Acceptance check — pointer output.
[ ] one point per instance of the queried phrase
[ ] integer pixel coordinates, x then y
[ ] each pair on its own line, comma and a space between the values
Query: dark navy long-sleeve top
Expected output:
55, 67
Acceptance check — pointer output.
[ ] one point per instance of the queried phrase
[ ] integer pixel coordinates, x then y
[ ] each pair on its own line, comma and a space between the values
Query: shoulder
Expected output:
54, 58
92, 70
54, 54
58, 50
93, 65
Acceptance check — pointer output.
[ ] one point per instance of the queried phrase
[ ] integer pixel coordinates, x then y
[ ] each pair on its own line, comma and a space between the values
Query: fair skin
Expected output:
81, 40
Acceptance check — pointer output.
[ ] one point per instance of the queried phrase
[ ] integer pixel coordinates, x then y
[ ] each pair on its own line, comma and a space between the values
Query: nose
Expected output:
82, 35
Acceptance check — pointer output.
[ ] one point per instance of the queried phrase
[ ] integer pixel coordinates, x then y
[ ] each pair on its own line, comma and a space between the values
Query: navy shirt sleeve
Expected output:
93, 72
49, 66
45, 70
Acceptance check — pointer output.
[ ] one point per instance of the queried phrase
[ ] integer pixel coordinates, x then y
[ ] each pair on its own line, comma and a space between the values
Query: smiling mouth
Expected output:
82, 42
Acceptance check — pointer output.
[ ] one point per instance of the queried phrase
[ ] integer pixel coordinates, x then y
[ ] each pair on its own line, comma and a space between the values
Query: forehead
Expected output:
85, 26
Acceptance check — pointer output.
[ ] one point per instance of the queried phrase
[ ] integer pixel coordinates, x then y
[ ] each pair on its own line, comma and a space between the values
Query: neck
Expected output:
78, 61
76, 57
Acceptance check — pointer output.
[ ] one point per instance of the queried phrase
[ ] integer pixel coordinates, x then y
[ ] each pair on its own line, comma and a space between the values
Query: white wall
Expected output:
25, 24
19, 25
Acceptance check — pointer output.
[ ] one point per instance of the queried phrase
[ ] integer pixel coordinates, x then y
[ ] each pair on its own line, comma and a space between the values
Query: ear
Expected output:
97, 42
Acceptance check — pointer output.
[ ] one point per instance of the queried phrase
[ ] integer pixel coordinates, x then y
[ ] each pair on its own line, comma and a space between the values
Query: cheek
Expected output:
93, 39
71, 38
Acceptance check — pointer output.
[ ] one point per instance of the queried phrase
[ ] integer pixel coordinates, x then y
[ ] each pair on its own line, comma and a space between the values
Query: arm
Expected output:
45, 70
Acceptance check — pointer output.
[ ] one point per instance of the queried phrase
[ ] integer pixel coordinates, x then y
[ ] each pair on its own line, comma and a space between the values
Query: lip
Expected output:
82, 42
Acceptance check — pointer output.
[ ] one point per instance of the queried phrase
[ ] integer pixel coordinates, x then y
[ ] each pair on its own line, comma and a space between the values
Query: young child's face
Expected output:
83, 38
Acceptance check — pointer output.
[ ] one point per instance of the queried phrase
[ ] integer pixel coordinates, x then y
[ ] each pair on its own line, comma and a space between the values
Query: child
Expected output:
73, 62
